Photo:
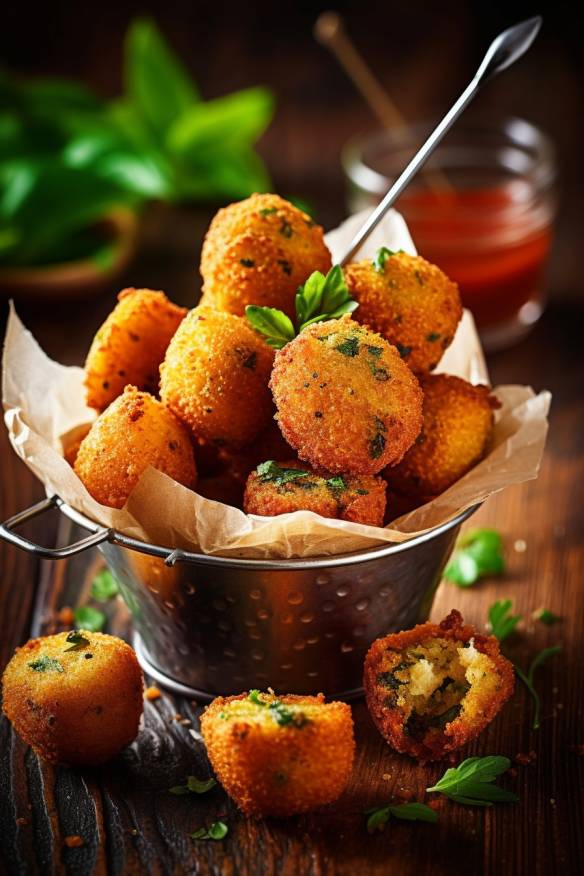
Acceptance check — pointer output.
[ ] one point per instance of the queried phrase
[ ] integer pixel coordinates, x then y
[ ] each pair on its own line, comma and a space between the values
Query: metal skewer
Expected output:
507, 48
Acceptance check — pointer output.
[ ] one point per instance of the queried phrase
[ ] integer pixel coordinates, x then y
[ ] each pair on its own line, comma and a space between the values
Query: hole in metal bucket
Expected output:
219, 604
385, 591
343, 590
263, 614
286, 666
299, 645
346, 647
190, 589
321, 580
286, 618
362, 604
327, 606
307, 617
359, 631
224, 625
258, 656
231, 655
255, 594
312, 674
295, 597
254, 634
312, 641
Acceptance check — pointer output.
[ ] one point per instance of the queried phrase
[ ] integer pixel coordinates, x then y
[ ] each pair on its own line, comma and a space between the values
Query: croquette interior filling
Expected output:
436, 681
260, 708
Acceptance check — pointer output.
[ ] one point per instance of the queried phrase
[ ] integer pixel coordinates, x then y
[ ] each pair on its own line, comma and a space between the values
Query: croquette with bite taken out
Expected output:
279, 755
457, 430
432, 689
215, 377
75, 698
259, 251
130, 345
280, 488
134, 432
346, 401
409, 301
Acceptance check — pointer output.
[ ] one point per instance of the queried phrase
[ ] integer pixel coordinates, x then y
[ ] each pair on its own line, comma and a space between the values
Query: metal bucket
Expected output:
215, 625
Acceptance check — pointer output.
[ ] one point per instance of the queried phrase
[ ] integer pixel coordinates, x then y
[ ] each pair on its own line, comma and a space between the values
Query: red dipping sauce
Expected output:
485, 220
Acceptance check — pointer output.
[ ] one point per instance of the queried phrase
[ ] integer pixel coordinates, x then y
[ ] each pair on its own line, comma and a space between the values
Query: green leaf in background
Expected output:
272, 323
156, 82
89, 618
193, 786
501, 621
217, 831
544, 616
378, 817
471, 783
478, 554
104, 586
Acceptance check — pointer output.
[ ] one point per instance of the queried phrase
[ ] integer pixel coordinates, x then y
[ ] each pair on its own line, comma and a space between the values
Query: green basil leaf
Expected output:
273, 324
157, 83
46, 664
271, 472
76, 641
89, 618
501, 621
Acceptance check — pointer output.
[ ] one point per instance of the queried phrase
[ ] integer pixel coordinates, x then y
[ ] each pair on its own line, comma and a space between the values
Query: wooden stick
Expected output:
330, 32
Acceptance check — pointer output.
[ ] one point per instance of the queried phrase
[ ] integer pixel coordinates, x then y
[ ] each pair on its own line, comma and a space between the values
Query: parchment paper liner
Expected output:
44, 401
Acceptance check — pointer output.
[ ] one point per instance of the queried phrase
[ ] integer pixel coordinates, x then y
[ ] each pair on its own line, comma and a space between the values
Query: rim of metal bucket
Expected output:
171, 556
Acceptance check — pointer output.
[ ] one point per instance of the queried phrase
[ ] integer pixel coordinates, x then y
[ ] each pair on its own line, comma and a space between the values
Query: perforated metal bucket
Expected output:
214, 625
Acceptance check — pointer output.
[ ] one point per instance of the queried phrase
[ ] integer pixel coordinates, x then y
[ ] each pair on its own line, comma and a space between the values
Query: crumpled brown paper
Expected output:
44, 401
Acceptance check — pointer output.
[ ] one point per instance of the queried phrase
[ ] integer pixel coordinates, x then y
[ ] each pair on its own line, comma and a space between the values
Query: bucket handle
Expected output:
7, 533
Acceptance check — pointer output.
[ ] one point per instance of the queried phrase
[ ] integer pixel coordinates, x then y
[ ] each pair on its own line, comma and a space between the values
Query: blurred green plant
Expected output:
67, 158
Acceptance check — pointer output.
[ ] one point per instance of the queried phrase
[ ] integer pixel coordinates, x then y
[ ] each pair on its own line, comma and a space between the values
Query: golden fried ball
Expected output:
282, 487
457, 429
130, 345
259, 251
409, 301
215, 377
134, 432
346, 401
75, 698
279, 755
432, 689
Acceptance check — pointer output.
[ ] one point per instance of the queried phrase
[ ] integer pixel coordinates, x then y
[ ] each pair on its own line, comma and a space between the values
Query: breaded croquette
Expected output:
75, 697
279, 755
130, 345
259, 251
409, 301
346, 401
432, 689
134, 432
457, 429
215, 377
281, 487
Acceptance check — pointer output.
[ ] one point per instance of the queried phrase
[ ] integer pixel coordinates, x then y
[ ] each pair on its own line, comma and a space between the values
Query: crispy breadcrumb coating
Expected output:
134, 432
457, 430
215, 377
259, 251
269, 444
432, 689
346, 401
279, 755
409, 301
275, 489
75, 705
130, 345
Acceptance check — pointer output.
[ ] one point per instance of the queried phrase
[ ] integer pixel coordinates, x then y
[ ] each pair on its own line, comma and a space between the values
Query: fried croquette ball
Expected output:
409, 301
215, 377
281, 487
346, 401
75, 698
130, 345
134, 432
259, 251
457, 429
279, 755
432, 689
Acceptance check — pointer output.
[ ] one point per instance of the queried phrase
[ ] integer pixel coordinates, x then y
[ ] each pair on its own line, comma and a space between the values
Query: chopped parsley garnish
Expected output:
46, 664
251, 361
89, 618
247, 263
77, 641
501, 621
479, 554
193, 786
336, 484
419, 277
318, 299
254, 697
377, 443
374, 351
270, 472
348, 347
381, 256
286, 266
379, 816
286, 229
433, 336
546, 617
268, 211
217, 831
280, 712
403, 350
527, 678
472, 782
104, 586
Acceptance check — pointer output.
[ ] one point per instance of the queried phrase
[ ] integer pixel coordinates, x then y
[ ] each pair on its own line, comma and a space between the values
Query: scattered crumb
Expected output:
552, 801
22, 821
74, 842
152, 693
185, 722
66, 616
134, 832
520, 546
525, 759
386, 777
